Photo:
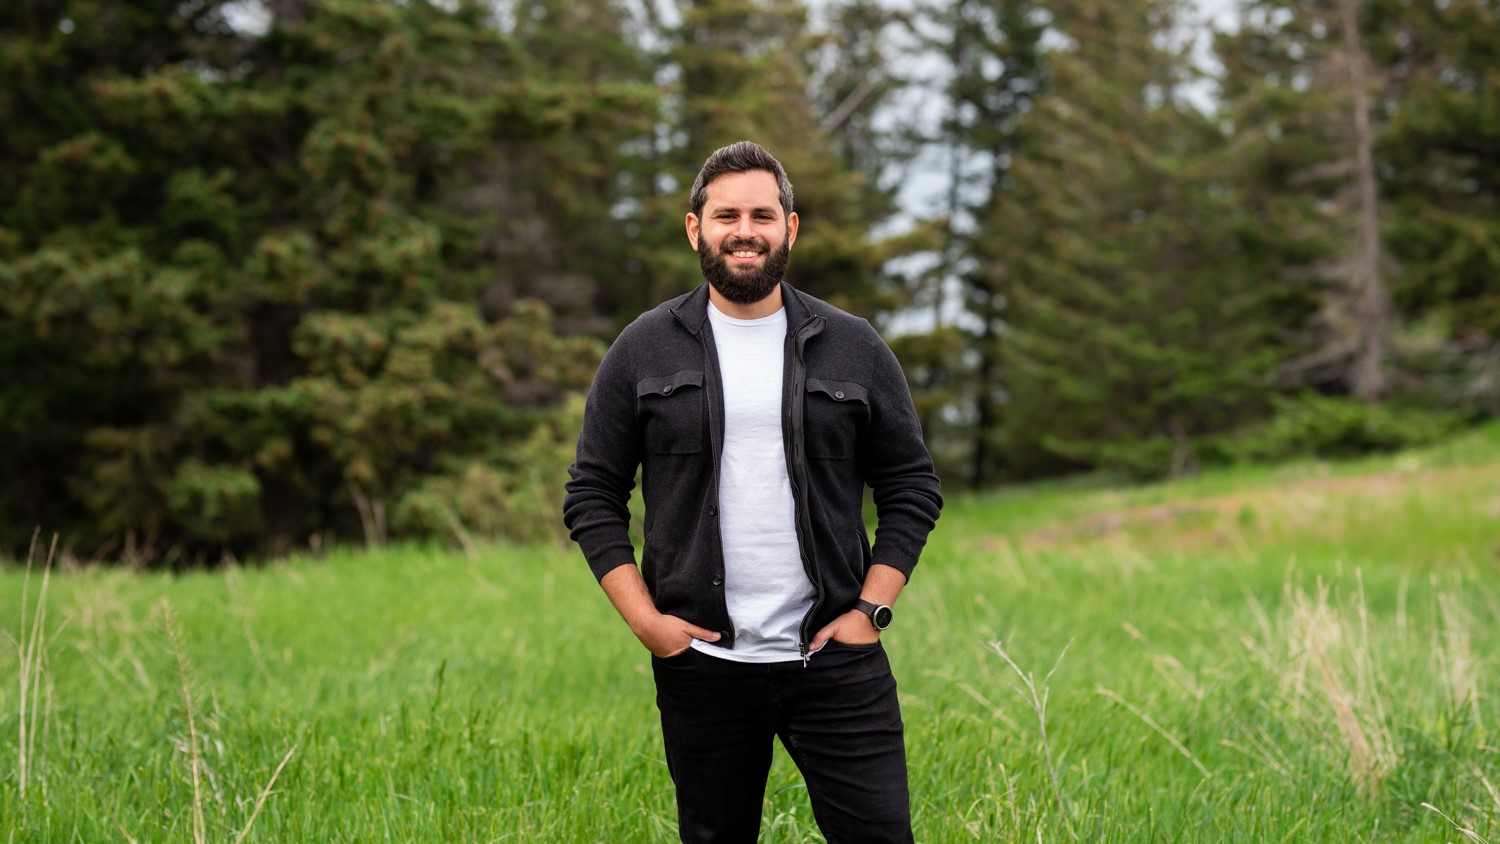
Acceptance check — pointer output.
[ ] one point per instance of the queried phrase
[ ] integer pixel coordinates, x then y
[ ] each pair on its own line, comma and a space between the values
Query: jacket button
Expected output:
713, 509
839, 394
667, 390
718, 580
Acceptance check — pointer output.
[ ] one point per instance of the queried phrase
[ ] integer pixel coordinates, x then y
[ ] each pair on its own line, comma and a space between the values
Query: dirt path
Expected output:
1212, 519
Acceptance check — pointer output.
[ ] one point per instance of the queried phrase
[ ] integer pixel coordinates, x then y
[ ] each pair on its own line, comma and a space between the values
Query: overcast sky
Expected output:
925, 188
925, 181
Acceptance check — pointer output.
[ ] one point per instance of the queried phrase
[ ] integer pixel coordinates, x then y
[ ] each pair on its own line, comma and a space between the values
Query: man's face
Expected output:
743, 239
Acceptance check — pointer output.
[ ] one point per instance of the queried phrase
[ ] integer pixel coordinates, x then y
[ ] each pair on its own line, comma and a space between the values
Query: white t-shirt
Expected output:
765, 584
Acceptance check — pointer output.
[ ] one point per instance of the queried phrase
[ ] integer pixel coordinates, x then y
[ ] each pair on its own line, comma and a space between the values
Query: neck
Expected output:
755, 310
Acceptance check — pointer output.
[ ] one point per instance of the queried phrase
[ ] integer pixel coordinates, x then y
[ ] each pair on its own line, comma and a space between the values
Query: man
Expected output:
757, 414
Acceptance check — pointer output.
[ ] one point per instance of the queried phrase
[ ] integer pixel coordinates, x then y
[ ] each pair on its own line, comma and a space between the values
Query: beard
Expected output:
743, 286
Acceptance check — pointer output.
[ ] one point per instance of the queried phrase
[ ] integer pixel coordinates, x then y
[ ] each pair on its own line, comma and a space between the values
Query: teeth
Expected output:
745, 254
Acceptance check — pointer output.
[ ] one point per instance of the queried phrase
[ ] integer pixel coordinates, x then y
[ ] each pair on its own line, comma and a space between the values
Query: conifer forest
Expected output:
280, 274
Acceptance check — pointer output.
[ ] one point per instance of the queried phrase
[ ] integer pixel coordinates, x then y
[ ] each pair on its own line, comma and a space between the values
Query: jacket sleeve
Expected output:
897, 467
596, 509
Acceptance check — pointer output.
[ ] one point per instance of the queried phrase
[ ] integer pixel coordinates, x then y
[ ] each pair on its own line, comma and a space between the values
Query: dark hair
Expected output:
741, 157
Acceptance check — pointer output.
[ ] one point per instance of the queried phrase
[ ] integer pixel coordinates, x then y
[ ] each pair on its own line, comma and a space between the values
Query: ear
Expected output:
692, 230
791, 229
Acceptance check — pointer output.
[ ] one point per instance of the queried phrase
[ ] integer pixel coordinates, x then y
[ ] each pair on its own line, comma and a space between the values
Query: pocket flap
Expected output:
839, 390
666, 385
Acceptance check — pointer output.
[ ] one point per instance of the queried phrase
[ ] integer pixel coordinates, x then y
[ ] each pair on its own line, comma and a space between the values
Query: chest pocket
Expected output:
836, 413
672, 412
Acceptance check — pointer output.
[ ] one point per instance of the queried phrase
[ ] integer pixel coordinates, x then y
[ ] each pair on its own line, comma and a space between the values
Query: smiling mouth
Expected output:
744, 250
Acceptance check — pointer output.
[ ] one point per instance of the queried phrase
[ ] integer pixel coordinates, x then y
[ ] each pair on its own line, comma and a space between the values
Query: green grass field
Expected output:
1297, 653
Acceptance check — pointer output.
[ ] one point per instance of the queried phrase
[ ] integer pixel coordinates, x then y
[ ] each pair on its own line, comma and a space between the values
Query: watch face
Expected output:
882, 617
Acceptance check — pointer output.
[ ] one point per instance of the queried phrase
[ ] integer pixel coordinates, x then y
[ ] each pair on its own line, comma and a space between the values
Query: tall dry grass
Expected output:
35, 701
196, 766
1336, 647
36, 704
201, 775
1036, 700
1334, 667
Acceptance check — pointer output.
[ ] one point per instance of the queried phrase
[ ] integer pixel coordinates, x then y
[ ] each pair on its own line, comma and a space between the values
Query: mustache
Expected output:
743, 243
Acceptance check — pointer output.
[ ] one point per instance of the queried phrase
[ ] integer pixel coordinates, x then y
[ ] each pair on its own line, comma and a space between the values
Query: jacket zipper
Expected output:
812, 326
713, 437
792, 422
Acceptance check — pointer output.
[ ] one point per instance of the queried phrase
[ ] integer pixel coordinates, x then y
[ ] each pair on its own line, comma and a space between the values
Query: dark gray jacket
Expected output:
847, 421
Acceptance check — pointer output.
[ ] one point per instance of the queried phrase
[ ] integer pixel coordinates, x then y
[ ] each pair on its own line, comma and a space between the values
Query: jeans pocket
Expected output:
866, 647
681, 658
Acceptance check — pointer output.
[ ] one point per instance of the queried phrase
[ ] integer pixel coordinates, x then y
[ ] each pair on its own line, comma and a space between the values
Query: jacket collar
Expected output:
692, 308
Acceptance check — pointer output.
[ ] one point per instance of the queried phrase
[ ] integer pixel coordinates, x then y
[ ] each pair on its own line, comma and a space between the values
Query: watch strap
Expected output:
870, 610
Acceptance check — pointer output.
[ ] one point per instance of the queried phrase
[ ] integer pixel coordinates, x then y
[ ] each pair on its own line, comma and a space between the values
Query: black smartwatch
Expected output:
880, 615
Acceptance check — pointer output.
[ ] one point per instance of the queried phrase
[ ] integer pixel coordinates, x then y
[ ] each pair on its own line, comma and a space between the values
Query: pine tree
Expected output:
244, 272
1440, 150
578, 248
1136, 326
743, 70
995, 50
1303, 96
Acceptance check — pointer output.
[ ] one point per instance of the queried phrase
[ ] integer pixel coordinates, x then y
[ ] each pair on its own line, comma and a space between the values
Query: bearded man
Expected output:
757, 415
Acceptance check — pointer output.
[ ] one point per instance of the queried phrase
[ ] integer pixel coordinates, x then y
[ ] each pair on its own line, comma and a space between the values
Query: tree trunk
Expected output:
984, 398
1372, 300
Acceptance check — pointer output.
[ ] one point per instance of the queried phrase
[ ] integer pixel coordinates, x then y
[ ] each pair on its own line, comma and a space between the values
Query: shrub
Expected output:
1310, 425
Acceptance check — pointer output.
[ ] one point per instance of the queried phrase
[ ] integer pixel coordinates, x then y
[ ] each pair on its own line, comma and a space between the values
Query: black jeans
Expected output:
838, 719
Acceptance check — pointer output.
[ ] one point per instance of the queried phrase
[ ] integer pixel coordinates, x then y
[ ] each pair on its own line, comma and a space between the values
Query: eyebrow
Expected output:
764, 209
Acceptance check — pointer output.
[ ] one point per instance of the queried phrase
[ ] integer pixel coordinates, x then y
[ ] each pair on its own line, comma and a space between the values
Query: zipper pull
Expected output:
805, 655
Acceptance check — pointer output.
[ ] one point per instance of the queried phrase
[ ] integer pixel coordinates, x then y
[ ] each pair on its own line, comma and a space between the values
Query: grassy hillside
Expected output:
1294, 653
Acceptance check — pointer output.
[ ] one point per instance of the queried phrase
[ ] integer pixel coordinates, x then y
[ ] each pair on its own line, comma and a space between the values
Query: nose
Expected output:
744, 228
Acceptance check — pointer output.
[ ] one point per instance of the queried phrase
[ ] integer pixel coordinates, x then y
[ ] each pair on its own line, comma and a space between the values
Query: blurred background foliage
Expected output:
280, 273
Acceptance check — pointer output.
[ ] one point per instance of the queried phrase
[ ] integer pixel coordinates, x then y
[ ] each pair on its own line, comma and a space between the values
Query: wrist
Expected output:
641, 625
879, 616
